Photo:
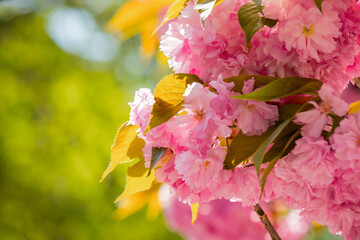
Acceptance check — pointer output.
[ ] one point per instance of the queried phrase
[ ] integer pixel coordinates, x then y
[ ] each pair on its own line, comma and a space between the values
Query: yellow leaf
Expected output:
161, 57
140, 17
173, 11
130, 17
149, 41
194, 212
137, 180
154, 207
127, 146
130, 206
169, 97
137, 201
205, 7
354, 107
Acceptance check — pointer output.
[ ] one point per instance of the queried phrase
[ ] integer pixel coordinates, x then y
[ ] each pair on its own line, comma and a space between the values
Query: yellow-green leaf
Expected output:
137, 201
260, 152
127, 146
259, 81
284, 87
169, 97
194, 212
258, 4
285, 128
354, 107
250, 20
243, 147
205, 7
277, 151
137, 180
173, 11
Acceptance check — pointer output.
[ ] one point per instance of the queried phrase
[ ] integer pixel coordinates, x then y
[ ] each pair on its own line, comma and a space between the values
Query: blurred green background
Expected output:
64, 89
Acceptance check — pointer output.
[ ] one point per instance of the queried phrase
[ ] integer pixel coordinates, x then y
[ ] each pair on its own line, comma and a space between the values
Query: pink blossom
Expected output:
311, 160
351, 94
141, 108
254, 117
217, 220
346, 140
318, 175
201, 124
274, 9
224, 220
208, 51
199, 171
309, 31
315, 180
316, 119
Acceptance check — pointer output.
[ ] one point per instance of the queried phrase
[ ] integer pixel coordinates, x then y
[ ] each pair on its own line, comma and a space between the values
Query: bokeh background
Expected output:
64, 87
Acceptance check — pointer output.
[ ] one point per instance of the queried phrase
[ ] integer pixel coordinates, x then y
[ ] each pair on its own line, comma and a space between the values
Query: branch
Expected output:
265, 221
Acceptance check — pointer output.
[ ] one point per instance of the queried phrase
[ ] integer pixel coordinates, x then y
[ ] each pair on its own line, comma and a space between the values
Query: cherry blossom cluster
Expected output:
224, 220
305, 42
320, 175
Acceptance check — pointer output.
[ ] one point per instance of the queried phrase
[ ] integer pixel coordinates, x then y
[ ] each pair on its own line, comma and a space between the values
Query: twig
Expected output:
265, 221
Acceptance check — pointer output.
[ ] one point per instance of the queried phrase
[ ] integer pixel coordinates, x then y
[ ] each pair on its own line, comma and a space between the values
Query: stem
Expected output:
265, 221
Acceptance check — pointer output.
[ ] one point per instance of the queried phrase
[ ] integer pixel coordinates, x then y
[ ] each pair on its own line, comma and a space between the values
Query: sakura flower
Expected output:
346, 140
217, 220
206, 52
225, 220
201, 124
309, 31
274, 9
253, 117
316, 119
200, 171
311, 160
141, 108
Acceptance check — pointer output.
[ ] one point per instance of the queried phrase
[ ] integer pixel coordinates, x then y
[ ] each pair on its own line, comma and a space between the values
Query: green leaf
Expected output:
173, 11
288, 110
259, 81
278, 137
243, 147
258, 4
156, 155
127, 146
277, 151
250, 20
260, 152
335, 123
284, 87
269, 22
205, 7
318, 4
169, 97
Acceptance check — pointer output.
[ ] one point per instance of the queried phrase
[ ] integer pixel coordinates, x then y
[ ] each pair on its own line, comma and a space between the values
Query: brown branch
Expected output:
265, 221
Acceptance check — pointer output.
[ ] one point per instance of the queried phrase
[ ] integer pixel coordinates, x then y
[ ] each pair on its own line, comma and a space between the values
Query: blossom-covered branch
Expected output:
254, 110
